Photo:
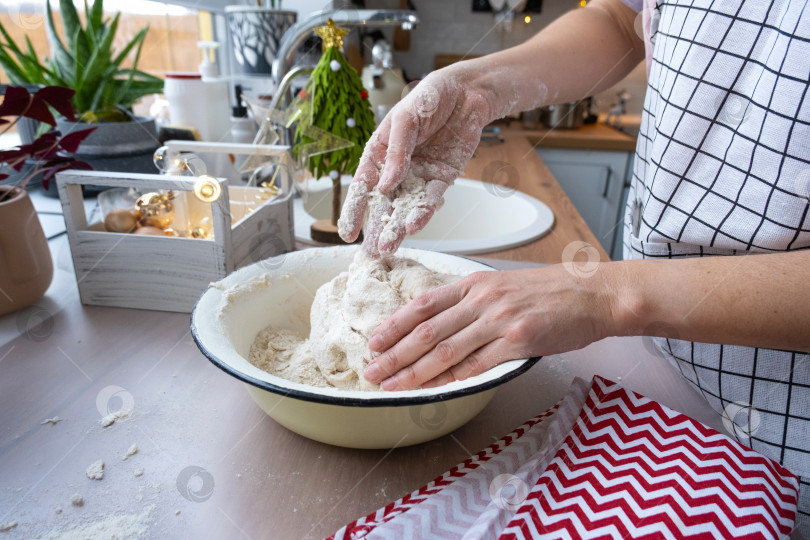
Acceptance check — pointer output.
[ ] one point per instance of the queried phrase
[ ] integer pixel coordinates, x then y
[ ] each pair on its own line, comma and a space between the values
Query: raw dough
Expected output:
77, 500
344, 313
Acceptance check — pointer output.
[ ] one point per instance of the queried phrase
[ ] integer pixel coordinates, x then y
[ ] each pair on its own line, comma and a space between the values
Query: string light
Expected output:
527, 19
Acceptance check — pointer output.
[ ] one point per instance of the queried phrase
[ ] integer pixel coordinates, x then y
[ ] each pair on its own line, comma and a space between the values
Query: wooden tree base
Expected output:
323, 231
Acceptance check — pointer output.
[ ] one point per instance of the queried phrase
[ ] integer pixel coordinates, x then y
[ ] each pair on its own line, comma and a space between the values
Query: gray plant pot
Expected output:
256, 33
114, 146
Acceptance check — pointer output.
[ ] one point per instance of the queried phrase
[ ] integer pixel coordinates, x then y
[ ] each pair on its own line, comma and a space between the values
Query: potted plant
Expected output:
104, 89
26, 268
256, 32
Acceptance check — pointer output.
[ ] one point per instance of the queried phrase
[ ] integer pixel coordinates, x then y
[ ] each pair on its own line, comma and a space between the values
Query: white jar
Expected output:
186, 94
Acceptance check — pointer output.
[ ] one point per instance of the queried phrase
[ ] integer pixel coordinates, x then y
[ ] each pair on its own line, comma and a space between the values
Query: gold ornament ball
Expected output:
170, 232
120, 220
199, 233
155, 210
150, 231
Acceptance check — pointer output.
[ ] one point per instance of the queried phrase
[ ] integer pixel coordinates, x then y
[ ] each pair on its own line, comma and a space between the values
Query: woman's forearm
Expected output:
760, 300
582, 53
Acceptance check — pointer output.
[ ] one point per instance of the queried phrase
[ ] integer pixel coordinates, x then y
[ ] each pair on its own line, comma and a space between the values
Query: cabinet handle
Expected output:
607, 183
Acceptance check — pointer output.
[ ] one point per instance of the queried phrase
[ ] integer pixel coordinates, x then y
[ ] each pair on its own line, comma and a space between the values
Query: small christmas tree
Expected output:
339, 105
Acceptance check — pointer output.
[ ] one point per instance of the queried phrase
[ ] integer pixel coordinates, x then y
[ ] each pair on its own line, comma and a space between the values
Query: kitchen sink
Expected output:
477, 217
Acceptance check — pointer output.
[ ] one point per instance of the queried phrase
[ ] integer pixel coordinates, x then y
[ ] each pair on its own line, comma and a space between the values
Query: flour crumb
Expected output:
77, 500
58, 510
138, 473
177, 512
5, 527
131, 451
110, 419
95, 471
52, 421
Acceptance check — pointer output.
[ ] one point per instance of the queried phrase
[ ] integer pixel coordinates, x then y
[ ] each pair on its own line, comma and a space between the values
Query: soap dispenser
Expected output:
215, 114
243, 127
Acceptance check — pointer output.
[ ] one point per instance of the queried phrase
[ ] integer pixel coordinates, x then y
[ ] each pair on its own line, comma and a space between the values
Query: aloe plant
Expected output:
86, 62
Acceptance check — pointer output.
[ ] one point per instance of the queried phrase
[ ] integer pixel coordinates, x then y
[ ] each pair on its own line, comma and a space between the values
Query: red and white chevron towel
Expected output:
604, 462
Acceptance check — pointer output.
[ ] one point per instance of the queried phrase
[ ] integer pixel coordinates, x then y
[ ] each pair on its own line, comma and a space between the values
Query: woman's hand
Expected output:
463, 329
431, 134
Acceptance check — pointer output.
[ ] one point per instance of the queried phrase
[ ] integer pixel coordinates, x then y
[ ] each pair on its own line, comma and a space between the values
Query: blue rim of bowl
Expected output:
354, 401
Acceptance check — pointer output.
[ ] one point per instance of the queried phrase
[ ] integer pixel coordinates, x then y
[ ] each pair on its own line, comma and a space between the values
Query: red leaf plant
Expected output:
50, 151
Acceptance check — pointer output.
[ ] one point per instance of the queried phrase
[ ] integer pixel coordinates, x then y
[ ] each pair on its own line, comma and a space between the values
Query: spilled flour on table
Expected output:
344, 313
119, 527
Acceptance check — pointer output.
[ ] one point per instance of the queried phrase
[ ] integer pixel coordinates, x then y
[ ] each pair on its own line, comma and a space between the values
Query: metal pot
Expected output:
564, 115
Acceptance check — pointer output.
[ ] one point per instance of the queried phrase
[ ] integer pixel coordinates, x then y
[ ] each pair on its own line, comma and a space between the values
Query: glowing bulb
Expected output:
582, 3
207, 189
527, 19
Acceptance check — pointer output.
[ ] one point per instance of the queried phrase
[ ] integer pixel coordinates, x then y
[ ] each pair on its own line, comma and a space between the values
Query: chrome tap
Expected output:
295, 36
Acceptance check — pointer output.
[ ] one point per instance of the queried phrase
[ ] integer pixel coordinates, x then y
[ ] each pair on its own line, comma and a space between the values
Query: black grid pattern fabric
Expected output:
723, 169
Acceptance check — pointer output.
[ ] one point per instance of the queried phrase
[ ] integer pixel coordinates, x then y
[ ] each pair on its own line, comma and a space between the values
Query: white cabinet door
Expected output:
593, 180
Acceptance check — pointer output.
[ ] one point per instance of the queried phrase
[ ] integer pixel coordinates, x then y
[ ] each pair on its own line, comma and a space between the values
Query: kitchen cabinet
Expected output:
594, 180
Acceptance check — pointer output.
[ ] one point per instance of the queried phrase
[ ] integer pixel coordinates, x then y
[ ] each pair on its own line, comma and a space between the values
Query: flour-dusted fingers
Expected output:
379, 211
422, 308
434, 199
354, 210
401, 143
446, 354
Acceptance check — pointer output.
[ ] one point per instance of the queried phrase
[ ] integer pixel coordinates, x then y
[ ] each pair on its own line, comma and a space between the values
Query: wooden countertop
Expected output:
533, 178
591, 137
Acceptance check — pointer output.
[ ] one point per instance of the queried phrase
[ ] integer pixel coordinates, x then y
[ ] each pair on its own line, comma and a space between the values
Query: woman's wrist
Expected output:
628, 304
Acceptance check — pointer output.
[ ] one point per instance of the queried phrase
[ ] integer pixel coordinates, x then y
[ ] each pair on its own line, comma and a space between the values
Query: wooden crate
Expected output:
165, 273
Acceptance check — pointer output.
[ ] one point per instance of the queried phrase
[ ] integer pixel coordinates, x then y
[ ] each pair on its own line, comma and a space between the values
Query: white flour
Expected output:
344, 313
131, 451
95, 471
118, 527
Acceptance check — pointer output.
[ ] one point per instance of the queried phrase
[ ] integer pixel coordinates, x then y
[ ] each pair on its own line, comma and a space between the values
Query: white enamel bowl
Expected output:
345, 418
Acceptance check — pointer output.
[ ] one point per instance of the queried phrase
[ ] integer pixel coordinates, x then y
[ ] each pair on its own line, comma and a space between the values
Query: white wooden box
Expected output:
165, 273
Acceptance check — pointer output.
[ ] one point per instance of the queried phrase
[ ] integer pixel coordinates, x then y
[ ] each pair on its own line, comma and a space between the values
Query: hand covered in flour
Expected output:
465, 328
418, 150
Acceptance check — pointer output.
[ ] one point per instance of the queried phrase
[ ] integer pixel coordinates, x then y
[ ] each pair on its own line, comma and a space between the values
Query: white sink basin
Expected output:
476, 218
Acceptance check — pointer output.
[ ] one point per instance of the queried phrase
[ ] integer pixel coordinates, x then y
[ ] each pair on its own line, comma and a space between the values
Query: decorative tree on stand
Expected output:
339, 105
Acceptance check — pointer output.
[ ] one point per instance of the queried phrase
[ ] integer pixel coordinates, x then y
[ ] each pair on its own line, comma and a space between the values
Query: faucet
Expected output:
295, 36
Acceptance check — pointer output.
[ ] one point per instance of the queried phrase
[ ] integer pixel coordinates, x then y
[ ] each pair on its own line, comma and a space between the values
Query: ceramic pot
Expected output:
26, 267
256, 33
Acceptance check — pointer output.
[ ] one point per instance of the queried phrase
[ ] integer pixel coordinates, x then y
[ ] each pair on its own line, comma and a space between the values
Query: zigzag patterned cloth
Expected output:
604, 462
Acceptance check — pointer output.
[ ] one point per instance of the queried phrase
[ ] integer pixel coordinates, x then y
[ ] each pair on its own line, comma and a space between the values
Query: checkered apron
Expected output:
723, 169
